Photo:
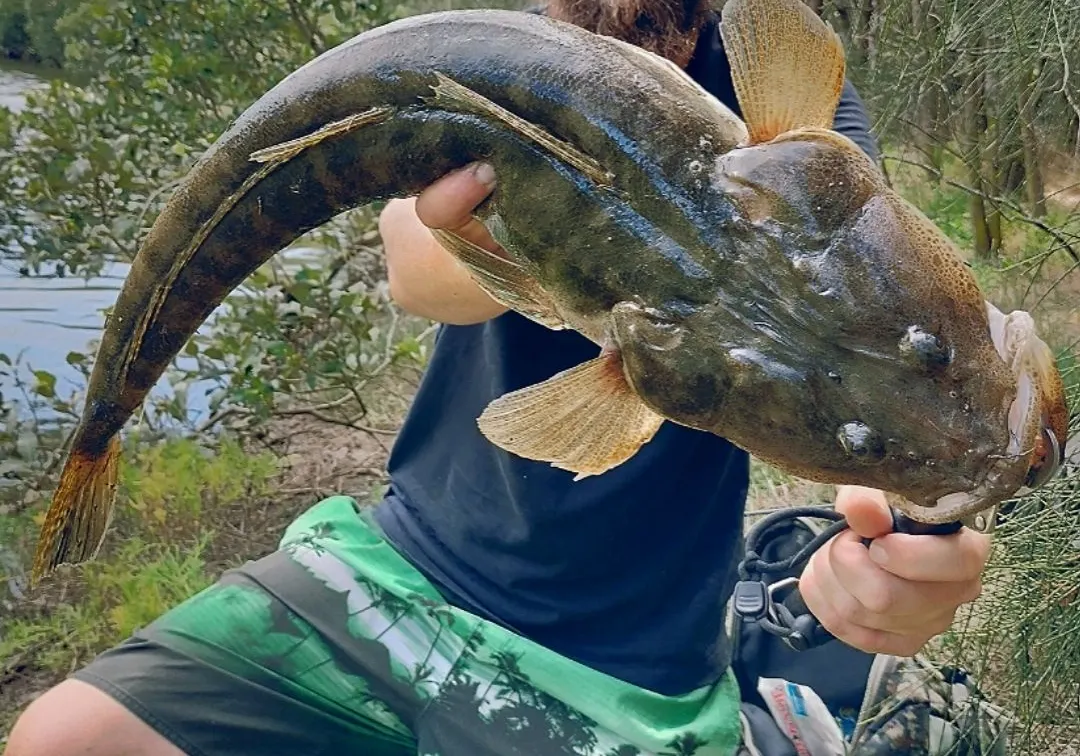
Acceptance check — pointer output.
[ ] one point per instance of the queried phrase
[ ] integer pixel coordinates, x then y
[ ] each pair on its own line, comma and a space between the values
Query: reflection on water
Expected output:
44, 318
15, 82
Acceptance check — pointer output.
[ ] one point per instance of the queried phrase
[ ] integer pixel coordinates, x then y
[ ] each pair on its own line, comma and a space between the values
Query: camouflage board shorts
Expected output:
336, 644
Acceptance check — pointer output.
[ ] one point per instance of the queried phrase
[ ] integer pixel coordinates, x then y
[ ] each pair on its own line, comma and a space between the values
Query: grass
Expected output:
119, 594
185, 512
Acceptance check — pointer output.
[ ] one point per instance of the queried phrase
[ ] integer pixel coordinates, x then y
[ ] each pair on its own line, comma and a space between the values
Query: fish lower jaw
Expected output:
1003, 480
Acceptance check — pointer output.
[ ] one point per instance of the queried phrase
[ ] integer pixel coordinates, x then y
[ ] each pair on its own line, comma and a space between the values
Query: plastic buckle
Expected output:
752, 600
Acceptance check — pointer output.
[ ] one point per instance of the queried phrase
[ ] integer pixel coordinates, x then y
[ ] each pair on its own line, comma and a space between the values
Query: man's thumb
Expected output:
866, 510
450, 201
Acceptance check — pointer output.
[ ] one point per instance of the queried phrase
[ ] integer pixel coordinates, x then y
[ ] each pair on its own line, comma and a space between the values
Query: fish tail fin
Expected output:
81, 510
787, 65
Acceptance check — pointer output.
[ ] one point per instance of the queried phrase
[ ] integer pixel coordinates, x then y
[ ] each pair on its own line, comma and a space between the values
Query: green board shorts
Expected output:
336, 644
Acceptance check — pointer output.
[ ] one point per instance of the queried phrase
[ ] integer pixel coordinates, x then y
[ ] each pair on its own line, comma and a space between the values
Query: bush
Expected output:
28, 30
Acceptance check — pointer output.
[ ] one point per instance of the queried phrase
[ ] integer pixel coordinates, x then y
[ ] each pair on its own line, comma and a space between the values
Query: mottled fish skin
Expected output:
779, 295
645, 122
843, 347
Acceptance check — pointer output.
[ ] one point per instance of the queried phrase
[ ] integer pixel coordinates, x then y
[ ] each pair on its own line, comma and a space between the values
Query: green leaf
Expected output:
45, 385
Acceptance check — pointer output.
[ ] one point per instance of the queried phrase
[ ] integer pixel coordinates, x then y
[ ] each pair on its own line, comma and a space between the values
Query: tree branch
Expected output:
1021, 214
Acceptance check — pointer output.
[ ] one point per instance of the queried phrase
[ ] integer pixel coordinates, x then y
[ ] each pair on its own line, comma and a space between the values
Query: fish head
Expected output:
847, 341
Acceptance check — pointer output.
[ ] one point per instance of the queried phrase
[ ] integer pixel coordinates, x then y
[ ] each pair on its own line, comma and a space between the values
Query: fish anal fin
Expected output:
586, 420
452, 94
787, 65
504, 280
80, 511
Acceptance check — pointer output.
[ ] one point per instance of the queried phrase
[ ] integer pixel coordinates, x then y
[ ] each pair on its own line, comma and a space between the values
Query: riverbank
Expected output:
188, 508
28, 32
309, 376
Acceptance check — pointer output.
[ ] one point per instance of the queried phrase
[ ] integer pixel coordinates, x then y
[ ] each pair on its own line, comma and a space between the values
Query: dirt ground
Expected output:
1062, 178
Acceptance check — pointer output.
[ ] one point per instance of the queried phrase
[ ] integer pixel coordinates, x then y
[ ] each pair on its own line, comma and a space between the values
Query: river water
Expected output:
44, 318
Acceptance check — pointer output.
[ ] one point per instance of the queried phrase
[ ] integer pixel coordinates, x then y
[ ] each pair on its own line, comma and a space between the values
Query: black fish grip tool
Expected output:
755, 598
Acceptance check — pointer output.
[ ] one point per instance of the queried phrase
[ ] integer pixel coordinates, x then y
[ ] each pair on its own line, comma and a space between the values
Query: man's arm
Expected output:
852, 121
424, 278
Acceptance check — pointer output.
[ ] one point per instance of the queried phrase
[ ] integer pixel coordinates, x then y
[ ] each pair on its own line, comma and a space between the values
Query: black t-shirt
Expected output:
627, 572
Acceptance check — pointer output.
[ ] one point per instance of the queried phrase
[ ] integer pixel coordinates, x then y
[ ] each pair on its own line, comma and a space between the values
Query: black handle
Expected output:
904, 524
811, 633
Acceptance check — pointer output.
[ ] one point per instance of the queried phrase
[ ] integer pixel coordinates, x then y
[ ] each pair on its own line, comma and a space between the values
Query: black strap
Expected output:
754, 599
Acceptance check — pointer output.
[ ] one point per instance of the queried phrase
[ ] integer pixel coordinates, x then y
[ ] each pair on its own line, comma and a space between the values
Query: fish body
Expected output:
755, 279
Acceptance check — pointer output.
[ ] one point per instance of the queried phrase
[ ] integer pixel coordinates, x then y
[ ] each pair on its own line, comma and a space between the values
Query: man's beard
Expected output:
665, 27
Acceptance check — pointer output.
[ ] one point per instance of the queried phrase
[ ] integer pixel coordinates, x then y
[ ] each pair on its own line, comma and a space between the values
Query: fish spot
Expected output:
861, 442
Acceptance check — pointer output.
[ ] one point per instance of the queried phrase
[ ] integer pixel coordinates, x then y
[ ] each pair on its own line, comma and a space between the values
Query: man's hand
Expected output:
900, 592
424, 278
449, 203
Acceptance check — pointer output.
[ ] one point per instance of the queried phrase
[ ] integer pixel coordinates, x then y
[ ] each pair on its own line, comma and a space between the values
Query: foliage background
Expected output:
310, 367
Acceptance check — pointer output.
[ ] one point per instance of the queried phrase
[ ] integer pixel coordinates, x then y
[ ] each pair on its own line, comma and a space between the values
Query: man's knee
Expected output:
77, 718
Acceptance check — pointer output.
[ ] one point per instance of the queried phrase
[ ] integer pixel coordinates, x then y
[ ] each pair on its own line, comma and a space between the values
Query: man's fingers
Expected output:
902, 590
881, 599
835, 611
950, 558
450, 201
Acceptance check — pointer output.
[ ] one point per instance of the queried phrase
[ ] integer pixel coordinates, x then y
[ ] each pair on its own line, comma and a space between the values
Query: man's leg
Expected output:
78, 718
267, 660
337, 644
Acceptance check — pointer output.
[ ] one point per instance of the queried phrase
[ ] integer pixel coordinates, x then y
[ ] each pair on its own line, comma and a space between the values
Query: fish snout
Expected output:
1051, 414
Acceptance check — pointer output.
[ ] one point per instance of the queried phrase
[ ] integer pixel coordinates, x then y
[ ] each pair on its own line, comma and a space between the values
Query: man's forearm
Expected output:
852, 121
426, 280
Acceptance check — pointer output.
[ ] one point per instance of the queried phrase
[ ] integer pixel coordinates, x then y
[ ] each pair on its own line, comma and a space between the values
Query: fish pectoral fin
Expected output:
449, 93
504, 280
787, 65
586, 419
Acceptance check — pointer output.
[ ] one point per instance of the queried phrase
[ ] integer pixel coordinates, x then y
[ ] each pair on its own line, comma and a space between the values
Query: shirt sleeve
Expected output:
852, 121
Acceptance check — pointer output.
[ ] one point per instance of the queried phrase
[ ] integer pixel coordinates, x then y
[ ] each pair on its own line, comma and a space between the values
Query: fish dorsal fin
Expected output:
586, 419
787, 65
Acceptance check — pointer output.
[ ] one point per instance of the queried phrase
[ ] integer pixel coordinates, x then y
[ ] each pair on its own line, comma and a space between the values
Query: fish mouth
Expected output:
1038, 416
1050, 460
1037, 423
